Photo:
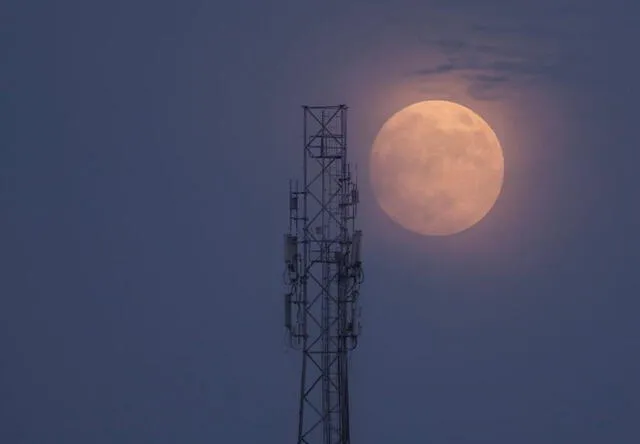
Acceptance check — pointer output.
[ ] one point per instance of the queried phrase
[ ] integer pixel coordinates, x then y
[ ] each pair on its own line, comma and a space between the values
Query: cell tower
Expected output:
323, 276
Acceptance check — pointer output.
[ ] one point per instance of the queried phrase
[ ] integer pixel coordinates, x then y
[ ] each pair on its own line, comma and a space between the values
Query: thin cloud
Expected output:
439, 69
496, 57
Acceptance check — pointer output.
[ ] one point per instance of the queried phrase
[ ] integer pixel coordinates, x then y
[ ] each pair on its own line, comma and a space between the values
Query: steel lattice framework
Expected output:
323, 276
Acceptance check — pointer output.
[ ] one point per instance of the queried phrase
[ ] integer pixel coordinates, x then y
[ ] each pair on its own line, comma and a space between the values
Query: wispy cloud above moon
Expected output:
494, 55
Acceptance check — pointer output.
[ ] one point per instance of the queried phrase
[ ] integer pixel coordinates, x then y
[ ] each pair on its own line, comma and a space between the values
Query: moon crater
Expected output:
436, 167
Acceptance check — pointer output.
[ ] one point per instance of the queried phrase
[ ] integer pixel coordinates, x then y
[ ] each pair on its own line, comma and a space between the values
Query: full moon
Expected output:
436, 168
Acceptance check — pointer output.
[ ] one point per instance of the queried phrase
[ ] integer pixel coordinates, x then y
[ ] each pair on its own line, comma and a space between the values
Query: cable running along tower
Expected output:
323, 275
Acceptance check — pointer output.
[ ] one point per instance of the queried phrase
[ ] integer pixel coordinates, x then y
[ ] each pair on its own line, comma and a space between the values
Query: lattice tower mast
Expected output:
323, 276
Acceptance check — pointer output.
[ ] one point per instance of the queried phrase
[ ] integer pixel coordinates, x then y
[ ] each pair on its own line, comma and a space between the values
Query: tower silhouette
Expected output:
323, 275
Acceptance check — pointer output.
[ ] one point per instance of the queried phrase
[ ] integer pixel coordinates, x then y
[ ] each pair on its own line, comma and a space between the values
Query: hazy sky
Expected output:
145, 153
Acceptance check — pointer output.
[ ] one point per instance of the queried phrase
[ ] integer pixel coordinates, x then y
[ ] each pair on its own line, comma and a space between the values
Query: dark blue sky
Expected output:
145, 153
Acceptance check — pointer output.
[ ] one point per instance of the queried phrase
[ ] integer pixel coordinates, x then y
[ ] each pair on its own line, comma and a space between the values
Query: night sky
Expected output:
145, 153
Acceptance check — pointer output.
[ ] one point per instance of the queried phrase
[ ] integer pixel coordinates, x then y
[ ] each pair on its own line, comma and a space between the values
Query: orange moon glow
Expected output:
436, 168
